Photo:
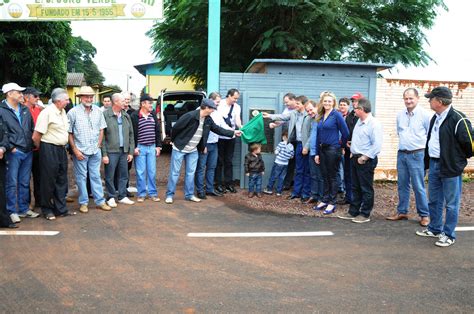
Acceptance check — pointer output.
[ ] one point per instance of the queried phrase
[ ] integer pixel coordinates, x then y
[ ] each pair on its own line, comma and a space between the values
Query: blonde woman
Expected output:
331, 138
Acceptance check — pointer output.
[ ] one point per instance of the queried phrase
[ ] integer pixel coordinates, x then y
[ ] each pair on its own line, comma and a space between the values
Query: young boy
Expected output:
254, 169
284, 152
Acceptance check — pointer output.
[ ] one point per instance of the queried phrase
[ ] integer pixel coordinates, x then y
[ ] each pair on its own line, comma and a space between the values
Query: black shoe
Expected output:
343, 202
304, 199
286, 188
202, 196
214, 193
231, 189
220, 189
130, 194
292, 197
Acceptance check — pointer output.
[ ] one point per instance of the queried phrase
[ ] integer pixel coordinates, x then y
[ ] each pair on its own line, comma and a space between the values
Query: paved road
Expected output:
140, 259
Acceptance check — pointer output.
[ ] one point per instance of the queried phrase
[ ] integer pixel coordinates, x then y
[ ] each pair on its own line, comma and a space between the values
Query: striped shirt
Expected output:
146, 129
194, 141
284, 152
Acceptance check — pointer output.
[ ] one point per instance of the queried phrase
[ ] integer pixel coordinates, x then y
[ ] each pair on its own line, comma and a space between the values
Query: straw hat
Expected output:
86, 91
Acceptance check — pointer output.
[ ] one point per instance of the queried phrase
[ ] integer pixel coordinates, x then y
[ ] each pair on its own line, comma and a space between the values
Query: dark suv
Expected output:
173, 105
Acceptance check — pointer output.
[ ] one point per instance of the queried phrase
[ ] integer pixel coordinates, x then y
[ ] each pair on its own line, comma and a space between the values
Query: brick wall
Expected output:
389, 102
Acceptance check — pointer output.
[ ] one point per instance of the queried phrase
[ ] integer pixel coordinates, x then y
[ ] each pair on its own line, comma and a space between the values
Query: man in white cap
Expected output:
86, 131
19, 123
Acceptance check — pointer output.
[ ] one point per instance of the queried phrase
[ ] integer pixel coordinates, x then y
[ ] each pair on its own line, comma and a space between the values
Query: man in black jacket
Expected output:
189, 135
448, 146
5, 220
19, 123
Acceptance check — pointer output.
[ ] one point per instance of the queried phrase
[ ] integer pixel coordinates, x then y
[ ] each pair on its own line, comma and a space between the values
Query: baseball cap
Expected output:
146, 97
441, 91
12, 86
208, 103
357, 96
31, 91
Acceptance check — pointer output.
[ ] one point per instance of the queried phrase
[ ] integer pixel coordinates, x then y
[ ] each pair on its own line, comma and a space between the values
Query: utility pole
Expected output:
213, 45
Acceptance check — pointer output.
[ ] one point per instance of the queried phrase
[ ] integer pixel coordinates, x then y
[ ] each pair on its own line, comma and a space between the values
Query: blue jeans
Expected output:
206, 168
316, 179
411, 169
89, 165
302, 185
443, 192
278, 175
145, 169
117, 165
17, 181
255, 182
340, 176
191, 160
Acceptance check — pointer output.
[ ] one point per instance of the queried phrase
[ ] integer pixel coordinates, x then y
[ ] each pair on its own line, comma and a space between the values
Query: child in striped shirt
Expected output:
284, 152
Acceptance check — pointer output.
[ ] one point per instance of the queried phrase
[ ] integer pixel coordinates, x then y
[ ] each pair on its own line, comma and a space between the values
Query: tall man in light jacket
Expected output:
118, 146
299, 127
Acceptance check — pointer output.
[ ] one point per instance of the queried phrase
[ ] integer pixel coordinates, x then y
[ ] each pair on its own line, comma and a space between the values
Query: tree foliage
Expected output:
80, 61
34, 54
390, 31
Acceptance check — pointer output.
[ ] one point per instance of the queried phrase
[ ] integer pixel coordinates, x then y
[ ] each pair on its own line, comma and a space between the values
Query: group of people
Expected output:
322, 139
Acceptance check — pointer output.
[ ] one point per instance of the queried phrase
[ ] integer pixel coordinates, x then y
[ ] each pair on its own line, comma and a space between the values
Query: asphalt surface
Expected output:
140, 259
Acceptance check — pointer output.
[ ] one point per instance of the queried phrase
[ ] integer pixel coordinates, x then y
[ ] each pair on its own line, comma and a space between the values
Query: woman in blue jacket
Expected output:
331, 138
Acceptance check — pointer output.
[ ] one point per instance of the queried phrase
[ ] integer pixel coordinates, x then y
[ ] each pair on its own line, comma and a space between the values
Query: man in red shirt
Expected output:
31, 97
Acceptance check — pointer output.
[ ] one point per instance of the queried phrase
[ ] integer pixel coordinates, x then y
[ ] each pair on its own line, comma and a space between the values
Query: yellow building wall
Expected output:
155, 83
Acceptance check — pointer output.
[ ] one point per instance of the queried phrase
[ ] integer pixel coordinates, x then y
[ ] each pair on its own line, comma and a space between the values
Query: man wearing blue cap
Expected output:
448, 146
190, 134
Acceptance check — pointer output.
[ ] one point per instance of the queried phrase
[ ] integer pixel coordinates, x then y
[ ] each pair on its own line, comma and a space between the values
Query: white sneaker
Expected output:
444, 241
132, 189
126, 201
111, 202
15, 218
29, 214
169, 200
193, 199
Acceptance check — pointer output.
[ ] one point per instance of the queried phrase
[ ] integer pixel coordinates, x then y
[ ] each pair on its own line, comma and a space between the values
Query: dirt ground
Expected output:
386, 197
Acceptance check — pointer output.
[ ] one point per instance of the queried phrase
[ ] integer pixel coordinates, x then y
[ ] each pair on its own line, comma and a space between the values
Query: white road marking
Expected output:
29, 233
464, 229
261, 234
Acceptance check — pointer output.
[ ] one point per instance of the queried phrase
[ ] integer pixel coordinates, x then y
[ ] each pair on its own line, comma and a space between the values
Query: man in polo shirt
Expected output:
86, 130
19, 123
31, 97
413, 123
51, 136
189, 135
117, 150
449, 145
365, 147
146, 130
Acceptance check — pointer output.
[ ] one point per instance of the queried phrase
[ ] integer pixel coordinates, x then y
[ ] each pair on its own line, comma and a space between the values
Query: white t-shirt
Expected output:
223, 109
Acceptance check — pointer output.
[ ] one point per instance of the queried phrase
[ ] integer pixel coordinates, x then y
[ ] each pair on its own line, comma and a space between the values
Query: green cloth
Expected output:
254, 131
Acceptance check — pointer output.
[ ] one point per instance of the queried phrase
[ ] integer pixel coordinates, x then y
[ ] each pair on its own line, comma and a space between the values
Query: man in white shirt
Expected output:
413, 124
230, 110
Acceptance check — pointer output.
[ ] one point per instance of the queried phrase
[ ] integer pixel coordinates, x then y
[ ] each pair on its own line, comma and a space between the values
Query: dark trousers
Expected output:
4, 216
362, 187
290, 172
224, 174
53, 176
348, 174
302, 186
116, 169
329, 157
35, 171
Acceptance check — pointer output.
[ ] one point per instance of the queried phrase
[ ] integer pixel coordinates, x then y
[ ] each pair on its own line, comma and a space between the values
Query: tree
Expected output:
34, 54
80, 60
343, 30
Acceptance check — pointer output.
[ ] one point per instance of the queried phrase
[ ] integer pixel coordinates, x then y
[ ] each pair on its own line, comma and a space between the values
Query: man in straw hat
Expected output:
86, 130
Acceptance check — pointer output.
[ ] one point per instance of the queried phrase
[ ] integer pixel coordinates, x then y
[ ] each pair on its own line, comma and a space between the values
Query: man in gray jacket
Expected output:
299, 126
117, 150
